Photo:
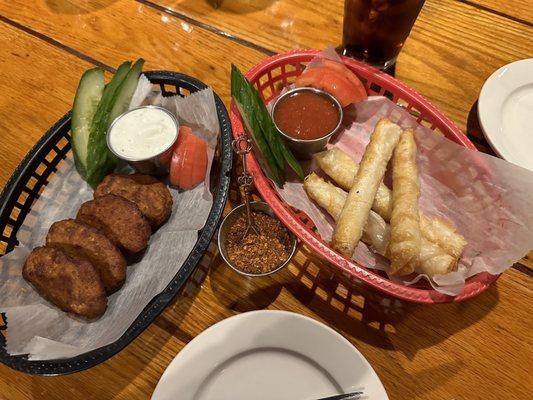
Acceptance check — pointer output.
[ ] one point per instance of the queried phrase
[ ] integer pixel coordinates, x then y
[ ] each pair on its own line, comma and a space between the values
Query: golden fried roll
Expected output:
404, 246
443, 234
355, 212
340, 167
149, 194
71, 284
433, 259
76, 238
332, 199
325, 194
377, 233
117, 218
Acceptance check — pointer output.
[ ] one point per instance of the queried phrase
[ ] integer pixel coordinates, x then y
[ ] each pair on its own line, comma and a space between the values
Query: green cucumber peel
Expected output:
86, 100
249, 101
267, 126
127, 88
244, 99
100, 160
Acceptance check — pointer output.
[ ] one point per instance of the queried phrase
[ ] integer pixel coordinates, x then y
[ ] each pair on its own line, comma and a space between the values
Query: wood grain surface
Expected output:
435, 61
479, 349
453, 47
113, 31
519, 10
449, 73
38, 82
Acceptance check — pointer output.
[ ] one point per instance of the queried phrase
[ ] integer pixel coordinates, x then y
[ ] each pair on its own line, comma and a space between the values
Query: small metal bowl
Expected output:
228, 221
305, 148
150, 165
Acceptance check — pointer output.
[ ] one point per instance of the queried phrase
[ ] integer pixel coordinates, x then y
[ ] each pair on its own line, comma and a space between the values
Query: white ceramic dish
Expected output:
505, 109
267, 355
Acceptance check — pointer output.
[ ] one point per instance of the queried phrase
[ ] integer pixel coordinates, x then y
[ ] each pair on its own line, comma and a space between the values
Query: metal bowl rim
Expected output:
132, 159
314, 90
229, 263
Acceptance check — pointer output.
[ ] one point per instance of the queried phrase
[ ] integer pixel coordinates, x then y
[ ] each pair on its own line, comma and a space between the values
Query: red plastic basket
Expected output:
270, 77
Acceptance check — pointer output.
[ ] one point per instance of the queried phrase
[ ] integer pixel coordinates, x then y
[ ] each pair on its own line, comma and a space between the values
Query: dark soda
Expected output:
374, 30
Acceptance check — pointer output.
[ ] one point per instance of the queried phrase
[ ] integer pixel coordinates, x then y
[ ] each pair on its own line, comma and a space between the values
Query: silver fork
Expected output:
347, 396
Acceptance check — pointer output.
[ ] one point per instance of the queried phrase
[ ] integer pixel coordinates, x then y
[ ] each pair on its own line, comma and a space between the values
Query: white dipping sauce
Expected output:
142, 133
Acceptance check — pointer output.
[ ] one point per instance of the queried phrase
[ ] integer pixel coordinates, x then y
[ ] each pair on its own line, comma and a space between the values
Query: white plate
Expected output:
270, 355
505, 109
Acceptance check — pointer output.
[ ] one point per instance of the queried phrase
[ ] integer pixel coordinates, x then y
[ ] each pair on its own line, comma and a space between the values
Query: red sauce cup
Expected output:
305, 148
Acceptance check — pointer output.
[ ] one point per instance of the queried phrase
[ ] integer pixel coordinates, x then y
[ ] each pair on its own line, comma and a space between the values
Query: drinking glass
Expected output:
374, 30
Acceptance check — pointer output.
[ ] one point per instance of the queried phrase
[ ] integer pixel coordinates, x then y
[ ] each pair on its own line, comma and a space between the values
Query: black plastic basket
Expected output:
32, 175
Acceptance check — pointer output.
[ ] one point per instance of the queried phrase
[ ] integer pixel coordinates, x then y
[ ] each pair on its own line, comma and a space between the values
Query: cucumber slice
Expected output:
125, 93
121, 88
268, 128
259, 123
246, 104
280, 150
100, 160
86, 101
291, 160
265, 156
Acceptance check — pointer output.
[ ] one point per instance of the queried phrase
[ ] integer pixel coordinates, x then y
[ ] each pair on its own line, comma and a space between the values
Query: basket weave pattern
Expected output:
279, 71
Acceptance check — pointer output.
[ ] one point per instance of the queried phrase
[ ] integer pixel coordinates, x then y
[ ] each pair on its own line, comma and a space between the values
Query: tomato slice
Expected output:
342, 68
336, 79
166, 157
200, 162
188, 165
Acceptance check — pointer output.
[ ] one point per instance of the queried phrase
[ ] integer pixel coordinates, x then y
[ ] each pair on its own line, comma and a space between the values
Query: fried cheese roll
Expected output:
340, 167
325, 194
355, 212
443, 234
404, 246
433, 259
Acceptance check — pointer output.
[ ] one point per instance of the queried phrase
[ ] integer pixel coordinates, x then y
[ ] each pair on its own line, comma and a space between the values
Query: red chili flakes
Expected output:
258, 254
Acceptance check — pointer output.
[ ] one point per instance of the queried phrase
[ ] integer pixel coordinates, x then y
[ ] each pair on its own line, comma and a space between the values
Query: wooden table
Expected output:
479, 349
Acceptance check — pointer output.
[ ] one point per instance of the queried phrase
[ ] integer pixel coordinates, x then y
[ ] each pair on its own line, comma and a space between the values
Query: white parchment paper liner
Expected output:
488, 199
37, 327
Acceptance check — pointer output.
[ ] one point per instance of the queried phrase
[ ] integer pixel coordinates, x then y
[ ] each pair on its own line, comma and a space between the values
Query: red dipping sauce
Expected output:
306, 115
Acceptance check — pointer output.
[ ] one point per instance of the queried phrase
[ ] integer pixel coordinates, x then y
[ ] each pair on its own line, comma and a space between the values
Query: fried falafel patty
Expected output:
117, 218
72, 284
79, 239
149, 194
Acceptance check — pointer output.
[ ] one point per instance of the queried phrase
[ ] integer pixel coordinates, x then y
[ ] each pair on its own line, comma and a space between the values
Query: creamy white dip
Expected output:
142, 133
